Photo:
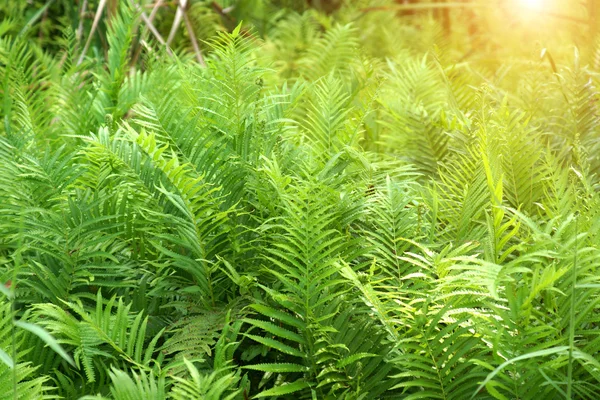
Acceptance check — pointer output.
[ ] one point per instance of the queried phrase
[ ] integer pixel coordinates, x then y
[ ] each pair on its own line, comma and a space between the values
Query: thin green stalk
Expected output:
572, 316
13, 333
13, 309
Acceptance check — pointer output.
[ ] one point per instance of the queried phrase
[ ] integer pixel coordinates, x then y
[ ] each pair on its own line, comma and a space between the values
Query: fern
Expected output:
115, 334
18, 379
206, 387
333, 200
434, 368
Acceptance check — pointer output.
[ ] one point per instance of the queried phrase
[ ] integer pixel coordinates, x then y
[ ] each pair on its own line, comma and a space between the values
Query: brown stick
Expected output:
155, 8
79, 32
190, 30
154, 31
93, 30
176, 21
148, 26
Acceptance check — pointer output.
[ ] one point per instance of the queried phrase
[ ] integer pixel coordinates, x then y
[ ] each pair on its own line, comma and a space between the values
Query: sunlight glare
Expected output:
532, 3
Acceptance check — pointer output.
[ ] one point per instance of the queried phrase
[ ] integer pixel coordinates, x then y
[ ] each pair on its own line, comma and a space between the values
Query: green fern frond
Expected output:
335, 51
109, 332
18, 379
213, 386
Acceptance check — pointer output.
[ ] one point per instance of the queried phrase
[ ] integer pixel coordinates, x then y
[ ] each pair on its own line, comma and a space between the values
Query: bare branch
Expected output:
177, 21
190, 30
93, 30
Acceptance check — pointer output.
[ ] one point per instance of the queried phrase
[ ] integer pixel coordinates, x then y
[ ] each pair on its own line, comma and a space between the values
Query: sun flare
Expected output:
532, 3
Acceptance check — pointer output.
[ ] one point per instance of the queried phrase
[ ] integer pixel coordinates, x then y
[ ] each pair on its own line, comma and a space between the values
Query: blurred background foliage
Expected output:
489, 31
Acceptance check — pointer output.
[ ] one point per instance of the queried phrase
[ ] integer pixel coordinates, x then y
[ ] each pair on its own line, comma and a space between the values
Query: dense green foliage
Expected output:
355, 205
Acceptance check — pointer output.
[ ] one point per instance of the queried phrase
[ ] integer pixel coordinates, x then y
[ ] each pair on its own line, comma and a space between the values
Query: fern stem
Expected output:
13, 310
13, 333
437, 369
572, 315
